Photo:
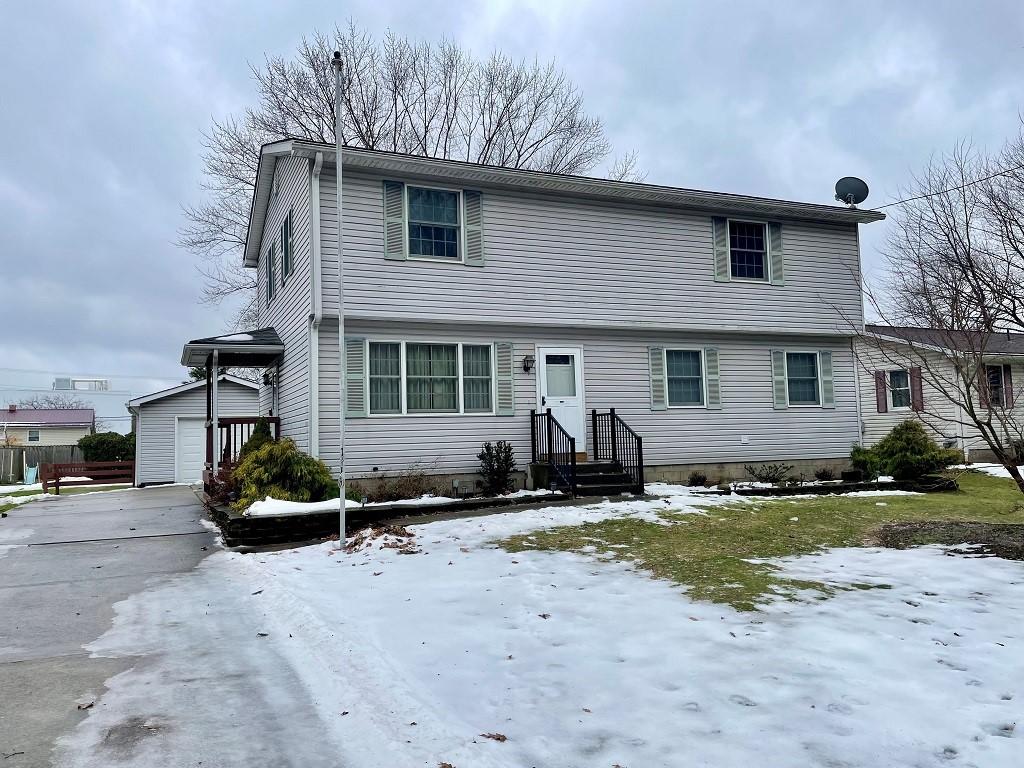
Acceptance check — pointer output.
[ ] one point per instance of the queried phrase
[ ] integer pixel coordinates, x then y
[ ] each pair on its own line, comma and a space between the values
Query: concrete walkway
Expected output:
175, 672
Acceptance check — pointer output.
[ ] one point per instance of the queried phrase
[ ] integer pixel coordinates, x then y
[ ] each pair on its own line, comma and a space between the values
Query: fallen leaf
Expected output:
258, 591
377, 573
262, 634
445, 765
586, 710
495, 736
86, 705
544, 615
463, 549
344, 713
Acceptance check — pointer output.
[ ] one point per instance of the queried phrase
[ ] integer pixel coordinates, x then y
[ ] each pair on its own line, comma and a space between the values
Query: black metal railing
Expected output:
550, 444
614, 441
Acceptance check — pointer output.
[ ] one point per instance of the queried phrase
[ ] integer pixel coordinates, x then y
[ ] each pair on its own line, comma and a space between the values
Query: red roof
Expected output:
48, 417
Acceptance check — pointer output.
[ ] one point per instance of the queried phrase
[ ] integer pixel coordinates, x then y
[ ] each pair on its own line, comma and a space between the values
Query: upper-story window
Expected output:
434, 223
899, 389
271, 272
748, 250
286, 247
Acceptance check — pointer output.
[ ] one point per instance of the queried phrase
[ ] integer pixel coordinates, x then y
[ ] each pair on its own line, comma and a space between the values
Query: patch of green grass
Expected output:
30, 492
710, 554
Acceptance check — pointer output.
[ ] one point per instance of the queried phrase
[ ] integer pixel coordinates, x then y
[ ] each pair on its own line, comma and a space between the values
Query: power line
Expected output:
1002, 172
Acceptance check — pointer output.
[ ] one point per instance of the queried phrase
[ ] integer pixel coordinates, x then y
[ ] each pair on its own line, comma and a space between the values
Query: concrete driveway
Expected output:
174, 652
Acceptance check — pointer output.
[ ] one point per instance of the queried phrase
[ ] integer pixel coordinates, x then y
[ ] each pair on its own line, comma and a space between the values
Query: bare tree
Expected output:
954, 272
55, 401
406, 96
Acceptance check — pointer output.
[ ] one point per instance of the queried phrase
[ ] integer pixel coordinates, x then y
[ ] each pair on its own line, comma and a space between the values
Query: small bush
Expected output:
260, 436
281, 471
825, 474
223, 488
866, 462
407, 485
769, 473
107, 446
697, 479
908, 453
497, 463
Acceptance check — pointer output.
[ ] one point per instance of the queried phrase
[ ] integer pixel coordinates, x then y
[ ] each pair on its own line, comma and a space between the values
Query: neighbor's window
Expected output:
33, 435
996, 394
685, 377
476, 378
802, 378
286, 247
271, 276
747, 250
433, 223
899, 389
432, 378
385, 377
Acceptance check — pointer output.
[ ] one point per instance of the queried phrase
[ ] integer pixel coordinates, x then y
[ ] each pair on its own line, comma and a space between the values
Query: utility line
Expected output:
1002, 172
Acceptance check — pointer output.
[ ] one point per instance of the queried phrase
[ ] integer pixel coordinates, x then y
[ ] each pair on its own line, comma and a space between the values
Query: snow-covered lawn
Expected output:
582, 661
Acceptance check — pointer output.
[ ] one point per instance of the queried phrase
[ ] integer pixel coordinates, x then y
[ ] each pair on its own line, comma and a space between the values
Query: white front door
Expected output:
560, 388
189, 449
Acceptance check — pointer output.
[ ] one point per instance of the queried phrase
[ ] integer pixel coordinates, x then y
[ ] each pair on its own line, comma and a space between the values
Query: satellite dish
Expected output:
851, 190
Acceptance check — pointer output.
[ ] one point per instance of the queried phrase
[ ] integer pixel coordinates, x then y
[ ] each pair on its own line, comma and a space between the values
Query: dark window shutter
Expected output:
775, 257
916, 390
720, 238
505, 368
1008, 395
881, 398
473, 204
394, 220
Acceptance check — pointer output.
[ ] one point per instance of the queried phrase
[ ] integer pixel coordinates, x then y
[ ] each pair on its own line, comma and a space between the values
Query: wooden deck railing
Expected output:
234, 432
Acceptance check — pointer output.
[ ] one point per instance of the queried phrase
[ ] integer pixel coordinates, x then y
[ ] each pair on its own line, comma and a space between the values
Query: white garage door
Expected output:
190, 450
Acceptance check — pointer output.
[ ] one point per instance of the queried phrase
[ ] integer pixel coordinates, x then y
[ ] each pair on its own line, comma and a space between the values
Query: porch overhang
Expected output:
247, 349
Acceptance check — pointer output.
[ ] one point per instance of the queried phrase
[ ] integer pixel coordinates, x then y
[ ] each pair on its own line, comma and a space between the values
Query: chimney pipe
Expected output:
12, 408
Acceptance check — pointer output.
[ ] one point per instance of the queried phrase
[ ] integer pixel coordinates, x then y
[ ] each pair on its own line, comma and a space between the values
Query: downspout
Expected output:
318, 307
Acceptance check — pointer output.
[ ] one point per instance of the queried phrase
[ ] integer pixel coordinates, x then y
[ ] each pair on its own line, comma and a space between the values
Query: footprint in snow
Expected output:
743, 701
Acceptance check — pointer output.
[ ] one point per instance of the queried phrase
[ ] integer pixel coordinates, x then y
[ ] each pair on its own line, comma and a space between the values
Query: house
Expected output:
909, 372
45, 426
170, 428
719, 327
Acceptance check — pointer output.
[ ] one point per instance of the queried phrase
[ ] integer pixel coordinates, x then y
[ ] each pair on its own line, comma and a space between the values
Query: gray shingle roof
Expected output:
1001, 343
48, 417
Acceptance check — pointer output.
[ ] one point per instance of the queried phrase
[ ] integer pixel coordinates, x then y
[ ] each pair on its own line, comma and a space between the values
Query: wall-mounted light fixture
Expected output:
528, 362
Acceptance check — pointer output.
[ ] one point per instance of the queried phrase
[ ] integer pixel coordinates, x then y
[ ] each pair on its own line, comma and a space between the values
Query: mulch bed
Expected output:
998, 539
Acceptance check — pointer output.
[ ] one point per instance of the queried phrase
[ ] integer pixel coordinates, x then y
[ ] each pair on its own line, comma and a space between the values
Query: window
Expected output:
385, 377
33, 435
685, 375
560, 372
434, 224
476, 378
271, 277
802, 378
431, 378
899, 389
286, 247
747, 250
996, 393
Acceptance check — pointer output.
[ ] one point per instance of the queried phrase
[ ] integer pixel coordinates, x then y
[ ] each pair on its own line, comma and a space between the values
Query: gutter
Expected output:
316, 281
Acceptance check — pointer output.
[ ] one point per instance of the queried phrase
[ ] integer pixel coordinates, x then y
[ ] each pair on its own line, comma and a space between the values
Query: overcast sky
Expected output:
102, 106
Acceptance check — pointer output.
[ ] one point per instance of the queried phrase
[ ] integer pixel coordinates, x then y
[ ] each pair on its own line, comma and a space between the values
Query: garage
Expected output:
170, 432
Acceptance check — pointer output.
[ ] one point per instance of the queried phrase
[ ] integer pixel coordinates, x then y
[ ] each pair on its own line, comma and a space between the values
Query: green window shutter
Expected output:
714, 396
505, 378
394, 220
720, 232
775, 257
473, 204
354, 366
656, 358
828, 394
779, 389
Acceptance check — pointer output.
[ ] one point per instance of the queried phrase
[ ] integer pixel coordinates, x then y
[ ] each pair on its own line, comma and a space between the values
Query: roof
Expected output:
49, 417
257, 349
531, 181
999, 343
188, 387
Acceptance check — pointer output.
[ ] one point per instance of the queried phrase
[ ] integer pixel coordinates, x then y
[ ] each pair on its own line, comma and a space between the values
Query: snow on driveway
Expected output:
410, 658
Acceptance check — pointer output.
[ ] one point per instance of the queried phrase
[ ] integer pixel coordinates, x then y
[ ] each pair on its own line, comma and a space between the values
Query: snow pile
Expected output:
995, 470
270, 507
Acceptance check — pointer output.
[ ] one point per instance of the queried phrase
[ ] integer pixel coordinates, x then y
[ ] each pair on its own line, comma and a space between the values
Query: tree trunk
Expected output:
1011, 467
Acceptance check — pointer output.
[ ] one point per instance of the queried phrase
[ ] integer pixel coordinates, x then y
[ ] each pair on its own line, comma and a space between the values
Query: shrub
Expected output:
281, 471
260, 436
406, 485
697, 478
497, 463
107, 446
865, 461
908, 453
824, 474
223, 488
769, 473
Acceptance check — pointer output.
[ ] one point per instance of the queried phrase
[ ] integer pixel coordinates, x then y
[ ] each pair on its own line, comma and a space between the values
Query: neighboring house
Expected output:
718, 326
894, 387
170, 428
45, 426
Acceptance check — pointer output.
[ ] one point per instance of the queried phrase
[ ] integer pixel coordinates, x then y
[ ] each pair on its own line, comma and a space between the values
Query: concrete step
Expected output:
603, 489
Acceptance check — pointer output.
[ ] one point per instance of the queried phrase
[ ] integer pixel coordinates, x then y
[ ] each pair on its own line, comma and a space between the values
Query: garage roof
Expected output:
188, 387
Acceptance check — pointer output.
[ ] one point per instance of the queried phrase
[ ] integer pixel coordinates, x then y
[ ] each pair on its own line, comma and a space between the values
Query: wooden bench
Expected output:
90, 472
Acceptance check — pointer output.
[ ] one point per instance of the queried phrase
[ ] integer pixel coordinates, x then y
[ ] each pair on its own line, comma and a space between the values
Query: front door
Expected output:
560, 388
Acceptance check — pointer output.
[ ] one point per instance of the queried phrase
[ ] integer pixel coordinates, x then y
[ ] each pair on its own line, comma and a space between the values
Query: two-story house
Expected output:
718, 326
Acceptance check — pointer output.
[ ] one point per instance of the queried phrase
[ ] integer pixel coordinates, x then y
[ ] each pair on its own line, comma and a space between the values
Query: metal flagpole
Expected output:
339, 84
